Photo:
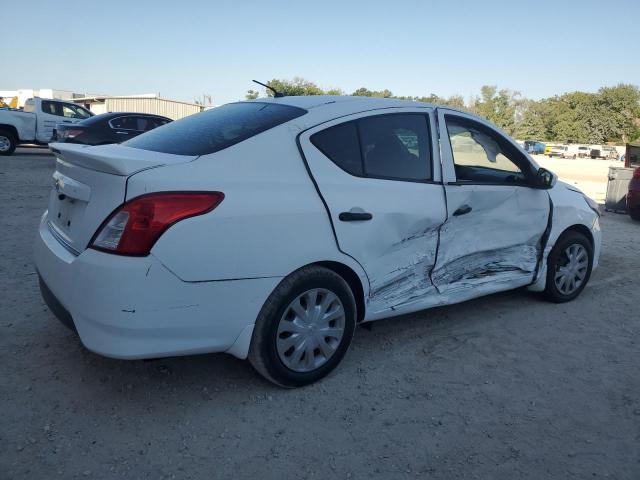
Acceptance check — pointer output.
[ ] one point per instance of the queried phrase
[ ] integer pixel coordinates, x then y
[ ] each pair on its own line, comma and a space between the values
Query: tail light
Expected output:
636, 173
70, 133
135, 226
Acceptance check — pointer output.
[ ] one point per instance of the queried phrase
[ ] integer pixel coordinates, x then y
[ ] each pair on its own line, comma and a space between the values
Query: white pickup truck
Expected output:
36, 122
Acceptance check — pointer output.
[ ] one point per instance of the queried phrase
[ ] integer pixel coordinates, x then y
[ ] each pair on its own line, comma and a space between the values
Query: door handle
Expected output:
463, 210
354, 216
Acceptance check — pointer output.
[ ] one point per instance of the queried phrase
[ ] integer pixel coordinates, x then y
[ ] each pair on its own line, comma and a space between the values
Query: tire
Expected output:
558, 258
634, 213
8, 142
574, 157
272, 333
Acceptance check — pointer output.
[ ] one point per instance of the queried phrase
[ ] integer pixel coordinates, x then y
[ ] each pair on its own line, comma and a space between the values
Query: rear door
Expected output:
496, 220
379, 176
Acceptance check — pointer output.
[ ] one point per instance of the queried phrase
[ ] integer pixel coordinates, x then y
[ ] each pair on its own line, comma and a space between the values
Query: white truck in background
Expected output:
35, 123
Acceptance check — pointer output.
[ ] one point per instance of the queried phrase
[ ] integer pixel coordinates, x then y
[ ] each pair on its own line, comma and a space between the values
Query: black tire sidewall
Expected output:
268, 321
12, 140
565, 240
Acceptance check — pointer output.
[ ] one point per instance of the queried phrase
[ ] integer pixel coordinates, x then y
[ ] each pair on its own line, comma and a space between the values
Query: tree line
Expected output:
612, 114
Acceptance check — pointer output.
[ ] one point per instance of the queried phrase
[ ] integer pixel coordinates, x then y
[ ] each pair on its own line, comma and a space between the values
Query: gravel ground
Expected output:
507, 386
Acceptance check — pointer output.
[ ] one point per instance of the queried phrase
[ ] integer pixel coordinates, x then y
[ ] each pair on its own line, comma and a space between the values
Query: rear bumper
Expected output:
134, 307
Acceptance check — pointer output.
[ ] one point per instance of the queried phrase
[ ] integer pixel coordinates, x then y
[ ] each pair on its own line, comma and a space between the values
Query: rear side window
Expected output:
340, 144
391, 146
215, 129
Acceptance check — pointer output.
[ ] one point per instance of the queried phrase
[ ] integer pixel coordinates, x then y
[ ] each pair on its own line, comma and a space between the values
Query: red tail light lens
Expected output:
636, 173
71, 133
136, 225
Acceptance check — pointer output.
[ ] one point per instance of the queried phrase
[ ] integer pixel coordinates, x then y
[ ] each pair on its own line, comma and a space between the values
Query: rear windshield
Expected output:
215, 129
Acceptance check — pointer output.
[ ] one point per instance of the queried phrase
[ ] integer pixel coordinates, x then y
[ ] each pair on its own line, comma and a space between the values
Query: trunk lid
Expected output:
91, 182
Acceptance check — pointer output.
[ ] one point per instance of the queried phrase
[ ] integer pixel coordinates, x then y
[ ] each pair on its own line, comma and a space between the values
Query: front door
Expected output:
379, 175
496, 218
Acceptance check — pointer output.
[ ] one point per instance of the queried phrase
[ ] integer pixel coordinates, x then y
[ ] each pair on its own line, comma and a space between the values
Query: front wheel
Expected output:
568, 267
8, 142
304, 328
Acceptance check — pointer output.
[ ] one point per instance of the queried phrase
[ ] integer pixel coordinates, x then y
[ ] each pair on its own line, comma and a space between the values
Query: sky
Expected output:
183, 49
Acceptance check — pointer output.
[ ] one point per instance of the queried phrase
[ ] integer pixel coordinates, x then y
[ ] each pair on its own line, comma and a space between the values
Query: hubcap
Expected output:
310, 330
571, 269
4, 143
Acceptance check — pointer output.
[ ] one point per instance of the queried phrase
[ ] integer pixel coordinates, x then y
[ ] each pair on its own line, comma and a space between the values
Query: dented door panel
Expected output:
498, 241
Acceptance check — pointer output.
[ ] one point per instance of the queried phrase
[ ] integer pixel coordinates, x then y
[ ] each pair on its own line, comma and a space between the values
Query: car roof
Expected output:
323, 108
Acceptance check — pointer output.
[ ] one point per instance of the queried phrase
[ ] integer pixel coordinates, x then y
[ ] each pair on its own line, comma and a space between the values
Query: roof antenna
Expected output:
276, 93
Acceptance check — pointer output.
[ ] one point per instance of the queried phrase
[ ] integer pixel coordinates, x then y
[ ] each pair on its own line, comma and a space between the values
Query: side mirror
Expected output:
545, 179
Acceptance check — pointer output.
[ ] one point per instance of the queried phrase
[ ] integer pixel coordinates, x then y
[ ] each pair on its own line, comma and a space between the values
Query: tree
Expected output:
252, 94
621, 104
365, 92
611, 114
296, 87
498, 107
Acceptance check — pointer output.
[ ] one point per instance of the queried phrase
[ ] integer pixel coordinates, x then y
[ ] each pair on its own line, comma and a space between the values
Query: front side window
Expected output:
215, 129
74, 111
392, 146
480, 156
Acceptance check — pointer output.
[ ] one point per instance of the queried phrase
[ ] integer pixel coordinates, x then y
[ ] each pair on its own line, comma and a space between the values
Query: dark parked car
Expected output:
633, 197
108, 128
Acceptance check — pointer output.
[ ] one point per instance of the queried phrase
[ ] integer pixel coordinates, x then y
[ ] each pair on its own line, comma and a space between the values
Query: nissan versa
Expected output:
269, 229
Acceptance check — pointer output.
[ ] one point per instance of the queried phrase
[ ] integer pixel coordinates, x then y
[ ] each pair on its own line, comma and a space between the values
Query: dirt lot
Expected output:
588, 175
506, 386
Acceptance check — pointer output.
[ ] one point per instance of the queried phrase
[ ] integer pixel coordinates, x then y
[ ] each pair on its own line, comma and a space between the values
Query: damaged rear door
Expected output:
380, 179
496, 218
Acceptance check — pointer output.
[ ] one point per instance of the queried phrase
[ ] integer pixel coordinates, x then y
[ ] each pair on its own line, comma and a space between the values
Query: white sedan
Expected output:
269, 229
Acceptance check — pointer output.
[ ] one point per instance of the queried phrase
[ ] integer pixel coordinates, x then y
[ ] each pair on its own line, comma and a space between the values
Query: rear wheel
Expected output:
634, 213
304, 328
568, 267
8, 142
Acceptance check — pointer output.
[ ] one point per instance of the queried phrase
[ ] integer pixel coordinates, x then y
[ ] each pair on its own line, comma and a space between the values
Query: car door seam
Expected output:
326, 206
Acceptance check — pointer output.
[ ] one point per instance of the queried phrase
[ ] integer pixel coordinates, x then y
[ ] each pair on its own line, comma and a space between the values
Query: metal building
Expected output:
141, 104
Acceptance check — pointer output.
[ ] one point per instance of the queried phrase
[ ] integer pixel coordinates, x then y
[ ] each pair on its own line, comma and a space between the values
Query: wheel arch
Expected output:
352, 279
11, 129
580, 228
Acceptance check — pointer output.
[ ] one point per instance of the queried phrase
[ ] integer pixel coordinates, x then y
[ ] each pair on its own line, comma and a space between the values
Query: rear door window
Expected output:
340, 144
215, 129
391, 146
396, 147
124, 123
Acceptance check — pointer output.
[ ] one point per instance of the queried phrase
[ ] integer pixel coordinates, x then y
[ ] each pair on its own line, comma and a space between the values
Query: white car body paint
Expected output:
205, 280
